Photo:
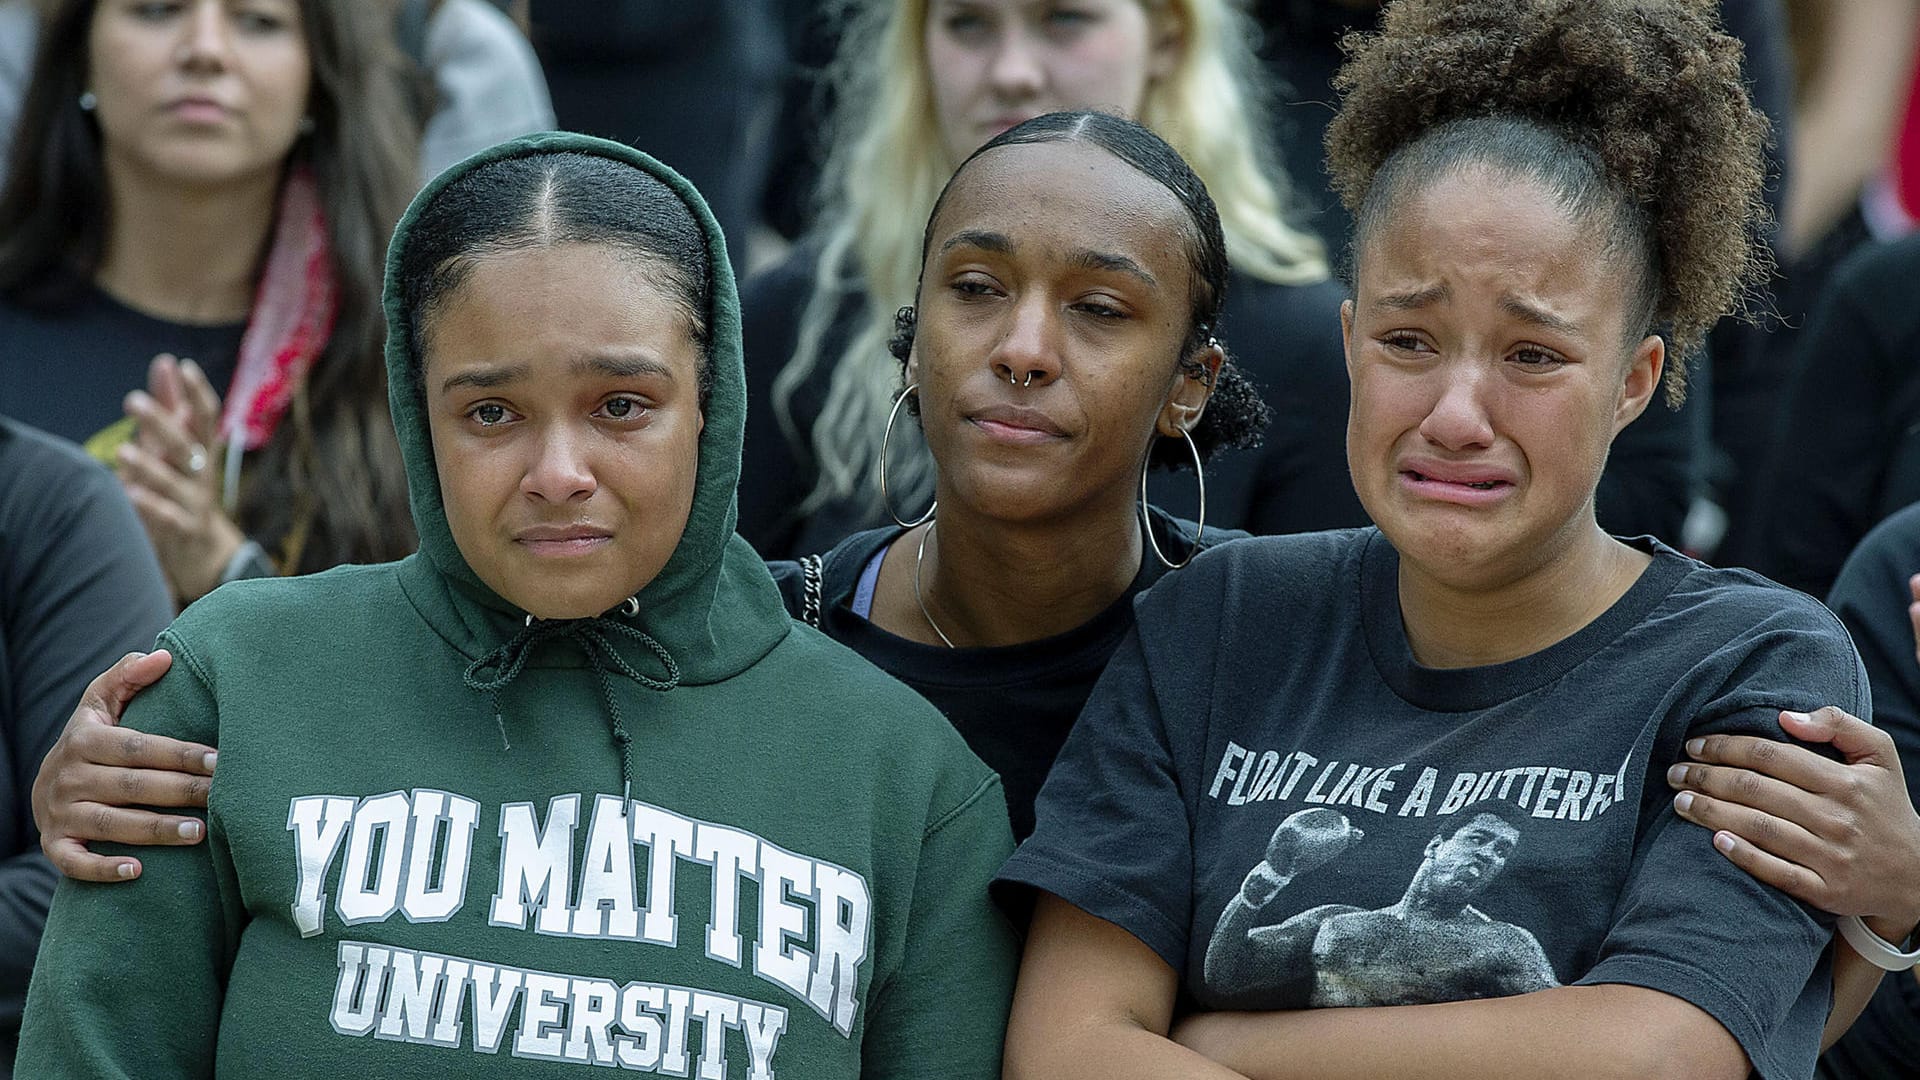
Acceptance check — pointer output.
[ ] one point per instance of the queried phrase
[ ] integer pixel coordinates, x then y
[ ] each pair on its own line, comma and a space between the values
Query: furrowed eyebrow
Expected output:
1414, 301
1106, 260
622, 367
980, 238
486, 378
1536, 316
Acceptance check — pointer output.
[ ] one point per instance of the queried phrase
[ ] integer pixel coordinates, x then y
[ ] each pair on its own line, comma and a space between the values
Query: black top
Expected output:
1871, 597
1847, 438
66, 370
1286, 338
1013, 704
79, 588
1302, 815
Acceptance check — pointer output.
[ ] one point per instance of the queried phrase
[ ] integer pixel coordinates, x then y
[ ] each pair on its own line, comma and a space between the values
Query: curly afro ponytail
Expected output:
1634, 108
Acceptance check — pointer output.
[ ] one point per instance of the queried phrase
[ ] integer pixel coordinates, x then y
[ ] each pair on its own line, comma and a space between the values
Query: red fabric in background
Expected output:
1906, 153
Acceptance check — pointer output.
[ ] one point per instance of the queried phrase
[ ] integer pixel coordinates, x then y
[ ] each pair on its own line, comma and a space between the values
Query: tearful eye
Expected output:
624, 407
1536, 358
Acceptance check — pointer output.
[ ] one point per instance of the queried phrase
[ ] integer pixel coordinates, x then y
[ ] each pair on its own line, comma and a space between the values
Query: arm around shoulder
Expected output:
131, 977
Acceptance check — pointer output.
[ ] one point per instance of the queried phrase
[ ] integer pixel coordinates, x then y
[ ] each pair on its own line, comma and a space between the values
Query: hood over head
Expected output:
713, 608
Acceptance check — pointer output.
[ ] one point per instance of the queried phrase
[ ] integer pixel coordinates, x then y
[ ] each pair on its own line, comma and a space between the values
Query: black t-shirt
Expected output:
1013, 704
1286, 338
1871, 598
79, 588
1480, 832
66, 370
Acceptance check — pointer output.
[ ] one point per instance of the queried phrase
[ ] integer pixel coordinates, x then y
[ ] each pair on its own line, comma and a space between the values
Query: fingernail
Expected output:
1677, 774
125, 870
1683, 802
209, 760
189, 830
1694, 746
1796, 717
1723, 841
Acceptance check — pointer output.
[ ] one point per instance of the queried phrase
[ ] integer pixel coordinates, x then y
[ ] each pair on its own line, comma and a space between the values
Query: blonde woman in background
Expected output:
921, 84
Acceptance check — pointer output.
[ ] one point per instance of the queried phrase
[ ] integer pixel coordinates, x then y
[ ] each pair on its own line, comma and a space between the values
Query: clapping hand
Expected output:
170, 470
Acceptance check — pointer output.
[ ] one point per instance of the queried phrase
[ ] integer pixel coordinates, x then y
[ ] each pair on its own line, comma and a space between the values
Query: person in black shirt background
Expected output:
78, 588
1845, 439
1878, 597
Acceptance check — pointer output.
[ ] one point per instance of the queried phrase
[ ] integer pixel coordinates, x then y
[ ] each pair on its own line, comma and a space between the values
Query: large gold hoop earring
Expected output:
886, 497
1146, 519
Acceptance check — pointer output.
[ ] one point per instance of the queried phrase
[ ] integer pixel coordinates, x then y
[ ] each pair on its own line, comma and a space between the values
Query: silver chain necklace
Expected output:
919, 560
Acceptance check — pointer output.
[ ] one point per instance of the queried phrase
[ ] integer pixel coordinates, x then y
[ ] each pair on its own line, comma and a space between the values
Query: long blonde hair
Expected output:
887, 166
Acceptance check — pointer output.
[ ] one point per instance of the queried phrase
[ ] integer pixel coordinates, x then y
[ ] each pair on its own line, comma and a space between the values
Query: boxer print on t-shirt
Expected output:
1272, 794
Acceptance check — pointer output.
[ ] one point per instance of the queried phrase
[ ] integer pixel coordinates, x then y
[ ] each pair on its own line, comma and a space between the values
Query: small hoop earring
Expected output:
1146, 519
88, 102
886, 497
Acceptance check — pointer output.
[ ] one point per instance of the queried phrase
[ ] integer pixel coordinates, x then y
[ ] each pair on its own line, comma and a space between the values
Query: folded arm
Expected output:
1592, 1032
1093, 1001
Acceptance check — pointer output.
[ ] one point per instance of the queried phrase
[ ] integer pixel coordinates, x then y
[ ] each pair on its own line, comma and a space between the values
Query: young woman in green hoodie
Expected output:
726, 846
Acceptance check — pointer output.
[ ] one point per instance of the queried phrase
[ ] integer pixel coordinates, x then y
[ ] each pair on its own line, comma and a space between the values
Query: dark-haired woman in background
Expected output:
214, 181
1439, 788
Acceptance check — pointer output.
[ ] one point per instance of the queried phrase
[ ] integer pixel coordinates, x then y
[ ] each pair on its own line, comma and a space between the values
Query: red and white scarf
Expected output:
292, 318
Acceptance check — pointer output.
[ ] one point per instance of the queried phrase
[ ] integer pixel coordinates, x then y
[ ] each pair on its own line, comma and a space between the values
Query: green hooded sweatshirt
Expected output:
399, 881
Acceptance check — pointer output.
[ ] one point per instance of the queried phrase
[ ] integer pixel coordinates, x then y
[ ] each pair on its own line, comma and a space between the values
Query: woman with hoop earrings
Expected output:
1057, 353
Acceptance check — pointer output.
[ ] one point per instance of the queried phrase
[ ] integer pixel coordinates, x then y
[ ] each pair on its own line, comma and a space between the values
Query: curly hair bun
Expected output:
1650, 91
